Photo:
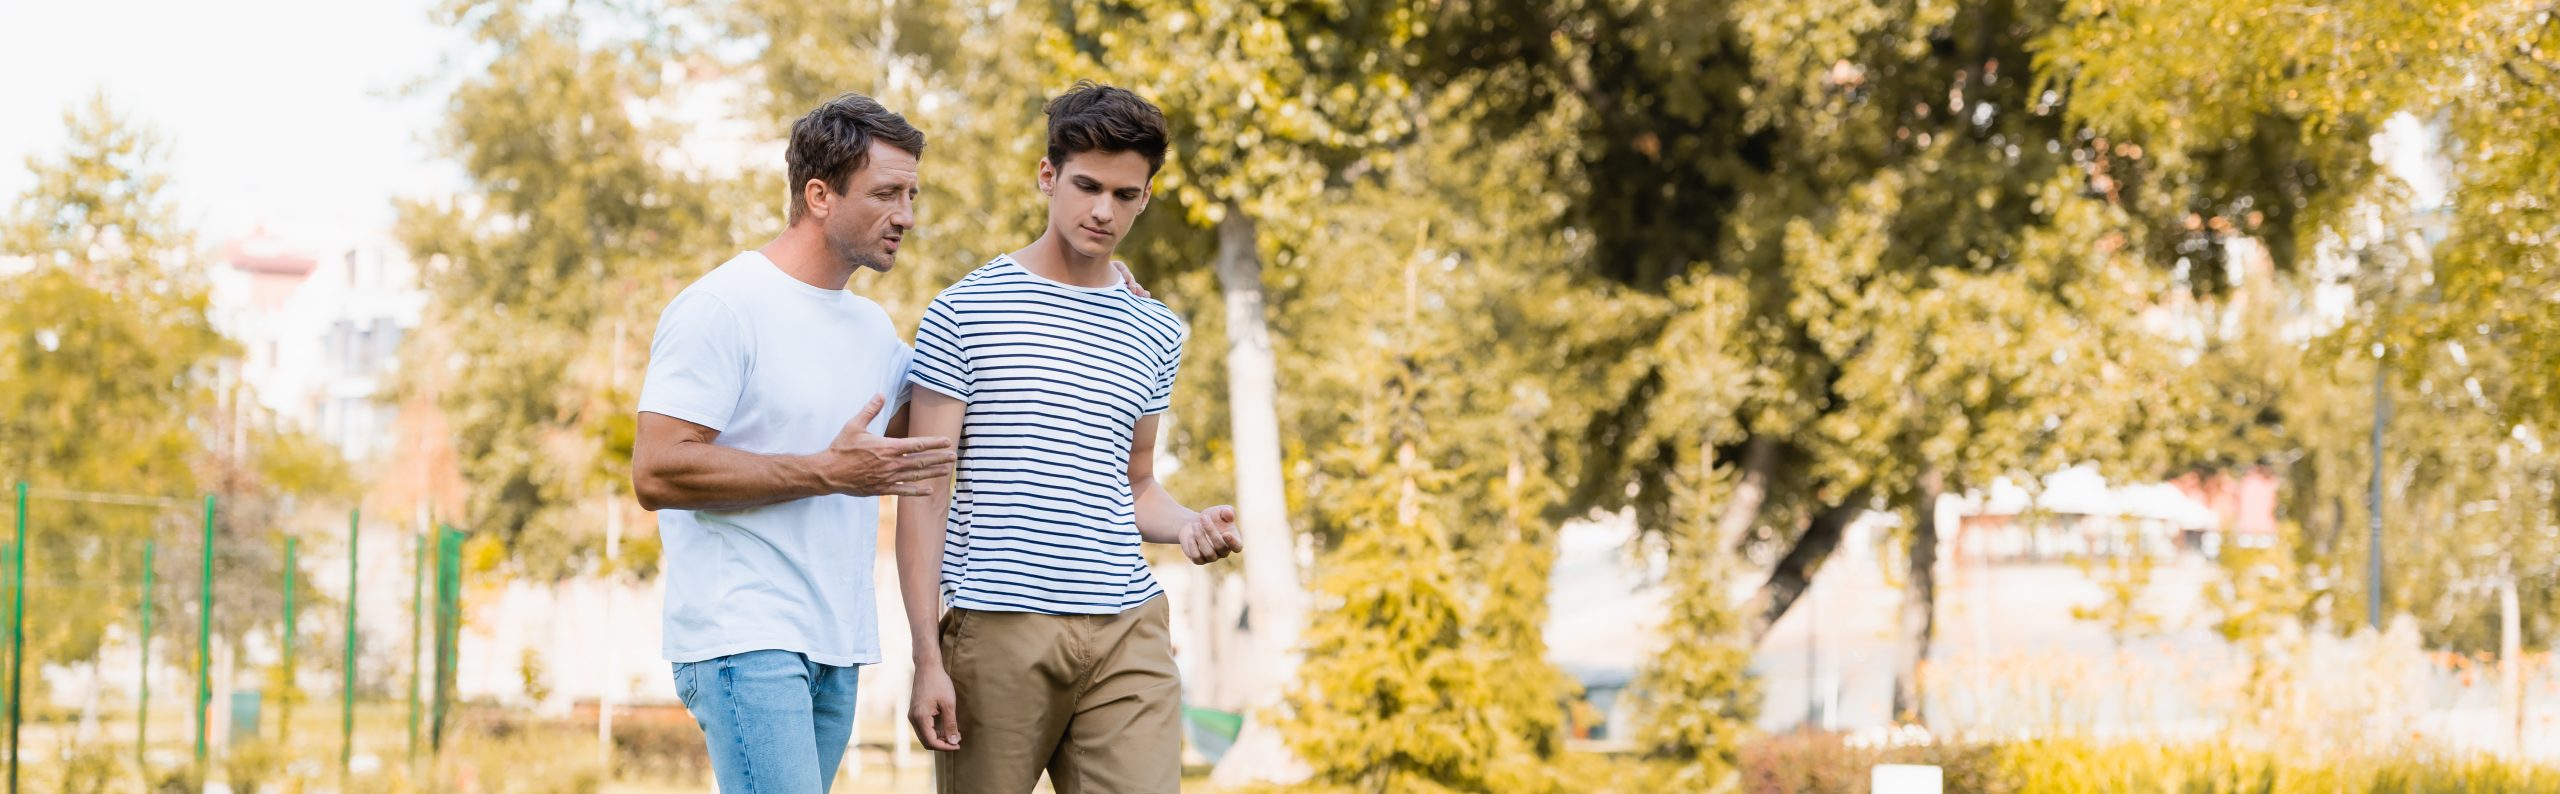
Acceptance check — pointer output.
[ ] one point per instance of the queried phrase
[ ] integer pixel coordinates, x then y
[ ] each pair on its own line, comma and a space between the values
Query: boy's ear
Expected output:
1048, 177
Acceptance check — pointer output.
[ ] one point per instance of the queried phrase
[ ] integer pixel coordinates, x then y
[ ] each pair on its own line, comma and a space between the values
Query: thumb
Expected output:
862, 421
947, 722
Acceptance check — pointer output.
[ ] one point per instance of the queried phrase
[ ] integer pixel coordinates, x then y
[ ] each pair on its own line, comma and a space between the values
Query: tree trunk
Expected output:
1919, 606
1759, 456
2511, 656
1794, 572
1274, 595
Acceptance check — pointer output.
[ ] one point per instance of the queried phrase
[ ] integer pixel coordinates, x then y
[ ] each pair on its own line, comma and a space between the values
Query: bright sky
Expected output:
276, 112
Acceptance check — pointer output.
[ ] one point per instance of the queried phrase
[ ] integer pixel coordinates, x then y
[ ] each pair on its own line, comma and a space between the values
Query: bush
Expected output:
1828, 763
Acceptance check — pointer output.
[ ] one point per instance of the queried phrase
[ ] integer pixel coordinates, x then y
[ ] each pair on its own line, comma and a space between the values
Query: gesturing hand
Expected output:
1211, 535
863, 463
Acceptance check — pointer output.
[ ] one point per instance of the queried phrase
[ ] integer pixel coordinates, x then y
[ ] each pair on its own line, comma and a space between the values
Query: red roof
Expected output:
261, 253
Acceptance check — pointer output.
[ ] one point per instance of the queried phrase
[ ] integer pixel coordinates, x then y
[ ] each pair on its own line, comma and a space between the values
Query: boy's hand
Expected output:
934, 709
1211, 535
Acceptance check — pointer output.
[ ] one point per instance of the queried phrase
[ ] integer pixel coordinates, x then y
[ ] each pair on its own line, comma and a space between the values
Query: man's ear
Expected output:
1048, 177
819, 199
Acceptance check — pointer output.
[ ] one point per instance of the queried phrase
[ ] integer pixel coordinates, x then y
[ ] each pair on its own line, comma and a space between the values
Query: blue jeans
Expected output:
775, 722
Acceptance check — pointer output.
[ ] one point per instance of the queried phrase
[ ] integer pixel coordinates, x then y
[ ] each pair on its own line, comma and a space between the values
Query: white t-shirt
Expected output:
778, 367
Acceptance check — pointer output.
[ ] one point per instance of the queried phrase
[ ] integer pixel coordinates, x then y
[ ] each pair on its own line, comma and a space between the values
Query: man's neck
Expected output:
1050, 257
801, 253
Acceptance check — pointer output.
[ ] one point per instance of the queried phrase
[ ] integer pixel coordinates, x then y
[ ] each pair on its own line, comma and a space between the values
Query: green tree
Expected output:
2460, 325
546, 273
121, 406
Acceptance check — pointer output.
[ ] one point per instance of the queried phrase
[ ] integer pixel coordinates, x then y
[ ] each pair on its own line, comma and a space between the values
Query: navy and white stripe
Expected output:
1056, 378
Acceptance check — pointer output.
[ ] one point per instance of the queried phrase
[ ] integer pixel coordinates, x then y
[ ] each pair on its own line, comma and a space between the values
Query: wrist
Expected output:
809, 472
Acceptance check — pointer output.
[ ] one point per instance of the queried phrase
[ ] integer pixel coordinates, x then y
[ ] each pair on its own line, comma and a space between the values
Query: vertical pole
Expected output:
448, 629
142, 712
17, 632
204, 639
2373, 541
286, 690
347, 688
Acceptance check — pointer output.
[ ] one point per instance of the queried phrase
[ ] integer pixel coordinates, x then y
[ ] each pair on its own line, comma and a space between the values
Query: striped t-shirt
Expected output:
1056, 378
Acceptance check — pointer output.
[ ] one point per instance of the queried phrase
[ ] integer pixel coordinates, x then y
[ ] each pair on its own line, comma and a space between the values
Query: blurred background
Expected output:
1659, 395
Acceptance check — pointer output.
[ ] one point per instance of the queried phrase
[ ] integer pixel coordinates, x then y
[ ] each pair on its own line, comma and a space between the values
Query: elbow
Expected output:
649, 488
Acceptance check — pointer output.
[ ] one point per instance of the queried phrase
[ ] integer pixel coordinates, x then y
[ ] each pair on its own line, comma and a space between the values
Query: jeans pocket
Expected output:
684, 682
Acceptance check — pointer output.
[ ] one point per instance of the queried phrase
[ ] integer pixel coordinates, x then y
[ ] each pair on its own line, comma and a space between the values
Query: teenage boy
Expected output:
1054, 653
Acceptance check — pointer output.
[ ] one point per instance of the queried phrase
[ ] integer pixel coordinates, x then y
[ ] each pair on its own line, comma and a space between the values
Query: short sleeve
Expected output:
941, 359
898, 390
1160, 399
698, 362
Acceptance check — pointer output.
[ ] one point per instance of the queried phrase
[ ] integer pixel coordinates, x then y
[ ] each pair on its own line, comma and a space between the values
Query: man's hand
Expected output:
1211, 535
934, 710
1130, 280
863, 463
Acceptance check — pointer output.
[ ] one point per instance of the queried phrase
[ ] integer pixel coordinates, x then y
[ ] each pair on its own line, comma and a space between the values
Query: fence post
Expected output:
17, 631
448, 629
347, 698
285, 695
204, 640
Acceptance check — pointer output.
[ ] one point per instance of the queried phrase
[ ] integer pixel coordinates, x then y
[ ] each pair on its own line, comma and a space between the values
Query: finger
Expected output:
911, 489
929, 458
1233, 542
1129, 279
912, 446
923, 725
949, 719
1190, 551
917, 469
869, 410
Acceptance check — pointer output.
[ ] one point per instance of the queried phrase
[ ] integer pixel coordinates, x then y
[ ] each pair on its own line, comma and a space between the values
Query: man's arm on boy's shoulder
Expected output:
1205, 536
922, 519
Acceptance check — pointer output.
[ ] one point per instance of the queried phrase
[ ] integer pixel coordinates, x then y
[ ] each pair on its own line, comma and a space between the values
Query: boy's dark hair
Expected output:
1092, 117
834, 141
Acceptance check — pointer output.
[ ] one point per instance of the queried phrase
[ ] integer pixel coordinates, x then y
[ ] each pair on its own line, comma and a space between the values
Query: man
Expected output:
1055, 654
756, 444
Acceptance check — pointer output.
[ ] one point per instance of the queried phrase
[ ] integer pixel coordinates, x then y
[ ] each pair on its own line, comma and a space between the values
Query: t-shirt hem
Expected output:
678, 656
919, 378
1053, 609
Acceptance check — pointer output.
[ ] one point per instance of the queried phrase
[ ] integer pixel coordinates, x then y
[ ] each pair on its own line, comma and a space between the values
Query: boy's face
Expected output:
1094, 198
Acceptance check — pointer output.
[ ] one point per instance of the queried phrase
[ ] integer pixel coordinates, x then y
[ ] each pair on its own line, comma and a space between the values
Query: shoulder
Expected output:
727, 287
993, 276
705, 300
1158, 318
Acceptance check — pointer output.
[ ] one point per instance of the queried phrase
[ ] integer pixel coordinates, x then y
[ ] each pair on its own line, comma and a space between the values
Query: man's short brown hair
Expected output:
1092, 117
834, 141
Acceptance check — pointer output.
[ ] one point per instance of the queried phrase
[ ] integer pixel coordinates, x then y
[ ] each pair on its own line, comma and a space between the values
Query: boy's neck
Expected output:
1050, 257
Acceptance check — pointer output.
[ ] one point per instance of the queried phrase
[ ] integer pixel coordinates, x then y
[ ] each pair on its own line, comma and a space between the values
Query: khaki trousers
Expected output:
1093, 699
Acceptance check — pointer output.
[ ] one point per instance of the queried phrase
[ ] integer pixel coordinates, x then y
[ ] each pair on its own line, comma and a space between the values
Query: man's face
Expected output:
865, 224
1094, 198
